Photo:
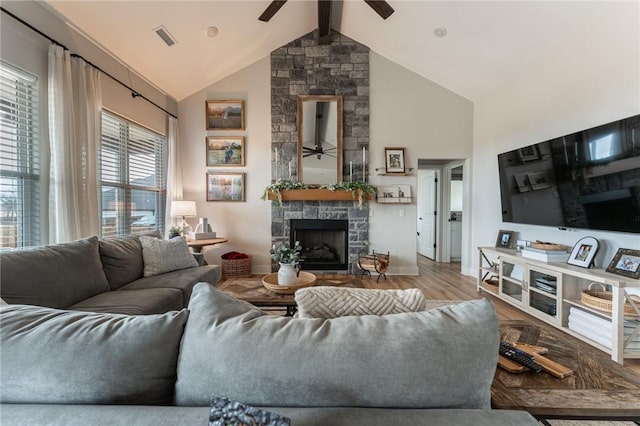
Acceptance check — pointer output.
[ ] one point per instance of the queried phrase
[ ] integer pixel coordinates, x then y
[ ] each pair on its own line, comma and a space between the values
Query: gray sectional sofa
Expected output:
97, 276
62, 367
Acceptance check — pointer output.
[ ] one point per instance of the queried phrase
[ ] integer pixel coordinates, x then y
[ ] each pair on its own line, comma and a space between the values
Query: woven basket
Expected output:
236, 268
602, 300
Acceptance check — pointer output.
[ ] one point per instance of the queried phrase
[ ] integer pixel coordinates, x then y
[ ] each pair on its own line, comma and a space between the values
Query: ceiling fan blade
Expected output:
381, 7
324, 21
271, 10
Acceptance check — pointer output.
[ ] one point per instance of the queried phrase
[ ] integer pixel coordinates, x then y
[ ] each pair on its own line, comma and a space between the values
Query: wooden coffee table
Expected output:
599, 388
251, 290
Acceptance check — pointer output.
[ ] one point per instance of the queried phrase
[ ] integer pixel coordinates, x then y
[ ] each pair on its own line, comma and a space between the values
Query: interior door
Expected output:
427, 213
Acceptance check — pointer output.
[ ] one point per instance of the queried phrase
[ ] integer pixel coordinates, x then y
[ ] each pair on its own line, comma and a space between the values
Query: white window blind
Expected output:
19, 158
133, 168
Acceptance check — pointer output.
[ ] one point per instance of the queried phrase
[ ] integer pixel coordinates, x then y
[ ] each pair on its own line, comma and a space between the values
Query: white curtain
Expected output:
174, 171
75, 102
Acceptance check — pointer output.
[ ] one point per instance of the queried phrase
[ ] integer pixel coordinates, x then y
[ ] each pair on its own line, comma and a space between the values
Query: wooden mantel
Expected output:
315, 195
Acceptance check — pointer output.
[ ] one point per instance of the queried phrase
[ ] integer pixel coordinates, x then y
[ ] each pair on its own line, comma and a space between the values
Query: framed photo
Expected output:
225, 150
583, 252
539, 180
505, 239
225, 186
394, 160
224, 115
394, 194
521, 244
626, 262
528, 153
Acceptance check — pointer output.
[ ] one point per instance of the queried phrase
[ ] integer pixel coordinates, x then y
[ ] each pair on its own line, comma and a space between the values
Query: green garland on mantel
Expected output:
359, 190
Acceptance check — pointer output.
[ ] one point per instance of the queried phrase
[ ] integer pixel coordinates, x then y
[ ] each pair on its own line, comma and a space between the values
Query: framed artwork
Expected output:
225, 186
626, 262
394, 194
394, 160
522, 181
539, 180
224, 115
225, 150
521, 244
505, 239
583, 252
528, 153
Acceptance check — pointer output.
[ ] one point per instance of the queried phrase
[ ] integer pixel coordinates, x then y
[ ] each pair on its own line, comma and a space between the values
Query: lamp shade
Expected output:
183, 208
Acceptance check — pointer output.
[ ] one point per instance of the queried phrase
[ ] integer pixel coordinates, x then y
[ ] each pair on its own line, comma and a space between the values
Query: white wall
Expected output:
246, 224
406, 110
589, 79
431, 122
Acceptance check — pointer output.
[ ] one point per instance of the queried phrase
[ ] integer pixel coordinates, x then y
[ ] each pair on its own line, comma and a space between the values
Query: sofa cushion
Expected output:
133, 302
121, 260
183, 280
408, 360
162, 256
119, 415
51, 356
332, 302
56, 276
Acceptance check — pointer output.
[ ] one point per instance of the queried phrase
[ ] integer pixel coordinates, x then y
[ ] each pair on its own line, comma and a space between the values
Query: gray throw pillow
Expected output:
332, 302
57, 276
162, 256
121, 260
445, 357
52, 356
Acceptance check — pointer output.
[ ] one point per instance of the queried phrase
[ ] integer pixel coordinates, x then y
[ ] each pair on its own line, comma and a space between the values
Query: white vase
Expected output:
288, 273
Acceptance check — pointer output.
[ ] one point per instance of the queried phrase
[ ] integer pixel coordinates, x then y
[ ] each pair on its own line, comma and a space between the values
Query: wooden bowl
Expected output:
305, 279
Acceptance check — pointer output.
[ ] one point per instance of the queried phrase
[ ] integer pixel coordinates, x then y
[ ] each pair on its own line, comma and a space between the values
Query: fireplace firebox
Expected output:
325, 243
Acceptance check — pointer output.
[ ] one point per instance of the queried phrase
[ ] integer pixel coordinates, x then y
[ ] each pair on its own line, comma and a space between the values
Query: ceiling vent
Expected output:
164, 35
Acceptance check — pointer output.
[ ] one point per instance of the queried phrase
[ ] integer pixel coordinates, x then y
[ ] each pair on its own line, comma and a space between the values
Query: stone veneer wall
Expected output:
302, 67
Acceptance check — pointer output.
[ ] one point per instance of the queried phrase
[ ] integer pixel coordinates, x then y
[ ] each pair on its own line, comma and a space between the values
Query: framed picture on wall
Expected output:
394, 160
224, 115
225, 151
225, 186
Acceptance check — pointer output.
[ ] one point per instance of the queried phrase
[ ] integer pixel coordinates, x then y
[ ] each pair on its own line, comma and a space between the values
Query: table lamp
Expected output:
184, 209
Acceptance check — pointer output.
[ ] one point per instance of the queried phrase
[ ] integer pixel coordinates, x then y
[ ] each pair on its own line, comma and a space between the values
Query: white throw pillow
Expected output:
332, 302
162, 256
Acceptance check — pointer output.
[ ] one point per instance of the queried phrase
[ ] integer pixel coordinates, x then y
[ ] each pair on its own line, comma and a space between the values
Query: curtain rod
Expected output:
134, 93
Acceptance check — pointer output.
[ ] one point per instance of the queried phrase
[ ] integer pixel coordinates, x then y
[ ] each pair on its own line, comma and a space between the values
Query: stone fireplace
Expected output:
304, 68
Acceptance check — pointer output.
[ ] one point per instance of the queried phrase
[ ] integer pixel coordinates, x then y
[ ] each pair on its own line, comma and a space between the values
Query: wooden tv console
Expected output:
517, 281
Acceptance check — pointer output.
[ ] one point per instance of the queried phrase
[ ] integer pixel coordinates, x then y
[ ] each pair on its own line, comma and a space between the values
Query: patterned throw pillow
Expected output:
332, 302
162, 256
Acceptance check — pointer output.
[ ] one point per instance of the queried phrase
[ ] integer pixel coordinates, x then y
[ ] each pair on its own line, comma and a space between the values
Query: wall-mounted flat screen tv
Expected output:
588, 179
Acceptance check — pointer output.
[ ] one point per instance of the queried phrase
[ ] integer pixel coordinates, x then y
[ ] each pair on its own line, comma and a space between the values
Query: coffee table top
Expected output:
251, 290
600, 387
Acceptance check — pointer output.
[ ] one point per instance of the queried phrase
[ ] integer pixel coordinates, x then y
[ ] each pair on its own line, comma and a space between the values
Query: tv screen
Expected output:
588, 179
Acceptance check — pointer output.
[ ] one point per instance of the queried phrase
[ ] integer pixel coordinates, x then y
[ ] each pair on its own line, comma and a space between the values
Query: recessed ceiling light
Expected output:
440, 32
212, 31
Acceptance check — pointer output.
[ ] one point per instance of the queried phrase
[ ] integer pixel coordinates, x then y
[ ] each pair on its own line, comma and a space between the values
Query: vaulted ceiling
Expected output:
487, 42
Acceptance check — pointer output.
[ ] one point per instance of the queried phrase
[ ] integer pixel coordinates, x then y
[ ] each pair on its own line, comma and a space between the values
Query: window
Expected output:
19, 159
133, 171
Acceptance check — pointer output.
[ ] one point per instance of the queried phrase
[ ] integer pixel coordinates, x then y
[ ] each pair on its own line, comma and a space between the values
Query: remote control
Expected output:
522, 358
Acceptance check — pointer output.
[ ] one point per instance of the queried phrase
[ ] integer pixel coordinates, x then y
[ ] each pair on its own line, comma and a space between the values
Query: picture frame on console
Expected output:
505, 239
626, 262
394, 160
583, 252
224, 114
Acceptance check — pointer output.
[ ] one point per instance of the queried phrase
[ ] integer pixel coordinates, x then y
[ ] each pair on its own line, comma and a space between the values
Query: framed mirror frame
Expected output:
300, 123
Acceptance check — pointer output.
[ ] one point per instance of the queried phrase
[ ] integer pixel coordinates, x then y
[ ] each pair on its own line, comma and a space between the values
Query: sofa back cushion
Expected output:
56, 276
122, 258
52, 356
445, 357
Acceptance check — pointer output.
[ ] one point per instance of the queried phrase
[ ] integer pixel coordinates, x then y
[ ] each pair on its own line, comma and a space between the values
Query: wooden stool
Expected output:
375, 262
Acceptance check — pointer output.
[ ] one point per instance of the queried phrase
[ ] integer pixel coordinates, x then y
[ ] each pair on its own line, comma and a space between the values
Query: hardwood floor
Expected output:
444, 281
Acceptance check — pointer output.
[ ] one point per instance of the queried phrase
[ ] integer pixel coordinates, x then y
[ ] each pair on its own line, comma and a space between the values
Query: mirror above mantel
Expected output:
320, 139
